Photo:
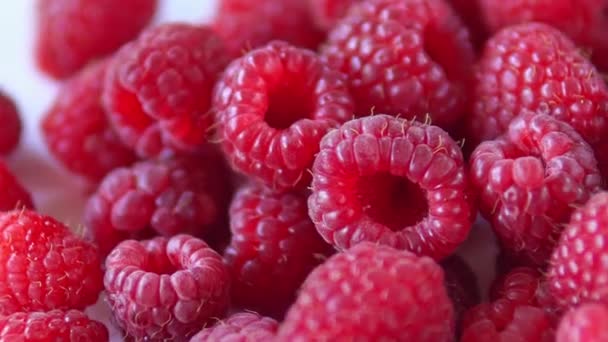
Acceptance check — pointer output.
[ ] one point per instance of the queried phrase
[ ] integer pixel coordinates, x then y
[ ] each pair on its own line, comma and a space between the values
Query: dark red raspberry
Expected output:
274, 105
248, 24
470, 13
410, 58
372, 293
530, 179
72, 33
166, 197
529, 324
274, 247
53, 325
43, 266
586, 323
240, 327
327, 13
13, 194
391, 181
10, 127
166, 289
462, 287
77, 131
158, 88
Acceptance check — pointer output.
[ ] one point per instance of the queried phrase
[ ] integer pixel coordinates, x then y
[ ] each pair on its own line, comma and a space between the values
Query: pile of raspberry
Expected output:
317, 170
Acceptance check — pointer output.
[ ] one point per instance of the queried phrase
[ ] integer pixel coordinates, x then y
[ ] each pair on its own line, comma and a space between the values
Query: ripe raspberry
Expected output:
165, 289
372, 293
584, 324
166, 197
43, 266
10, 129
470, 13
71, 33
158, 88
274, 105
77, 131
529, 324
274, 247
13, 194
248, 24
410, 58
529, 180
462, 287
391, 181
243, 326
53, 325
327, 13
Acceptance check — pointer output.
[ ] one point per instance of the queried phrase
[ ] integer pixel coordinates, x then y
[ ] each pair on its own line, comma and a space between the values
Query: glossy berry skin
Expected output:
273, 106
391, 181
409, 58
44, 266
240, 327
584, 324
158, 88
11, 127
529, 180
72, 33
164, 288
371, 293
55, 325
77, 131
274, 247
13, 194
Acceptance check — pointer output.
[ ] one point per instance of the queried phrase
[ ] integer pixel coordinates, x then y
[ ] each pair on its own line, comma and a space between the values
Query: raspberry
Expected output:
13, 195
529, 180
274, 105
71, 33
10, 129
77, 131
409, 57
165, 289
274, 247
529, 324
462, 287
327, 13
391, 181
248, 24
243, 326
53, 325
470, 13
371, 293
584, 324
166, 197
43, 266
158, 88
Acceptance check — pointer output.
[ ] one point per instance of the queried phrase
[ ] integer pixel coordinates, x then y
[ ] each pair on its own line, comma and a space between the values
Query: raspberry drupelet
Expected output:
166, 289
13, 194
242, 326
391, 181
158, 88
586, 323
10, 127
77, 131
273, 106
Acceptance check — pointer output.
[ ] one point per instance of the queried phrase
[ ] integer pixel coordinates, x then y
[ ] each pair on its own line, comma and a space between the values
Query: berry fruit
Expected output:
584, 324
10, 129
327, 13
242, 326
13, 194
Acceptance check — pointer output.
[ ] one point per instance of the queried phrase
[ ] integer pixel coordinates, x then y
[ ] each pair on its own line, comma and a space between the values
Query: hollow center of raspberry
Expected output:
392, 201
160, 264
288, 103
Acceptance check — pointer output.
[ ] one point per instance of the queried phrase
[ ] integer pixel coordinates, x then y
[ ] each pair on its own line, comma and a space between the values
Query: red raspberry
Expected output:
274, 105
165, 289
529, 324
327, 13
372, 293
13, 195
166, 197
584, 324
462, 287
158, 88
248, 24
529, 180
53, 325
43, 266
10, 129
470, 13
71, 33
274, 247
410, 58
391, 181
243, 327
77, 131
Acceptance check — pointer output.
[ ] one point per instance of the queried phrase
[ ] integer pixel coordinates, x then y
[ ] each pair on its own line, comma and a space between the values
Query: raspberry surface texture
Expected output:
11, 127
158, 88
584, 324
166, 289
240, 327
13, 194
166, 197
273, 106
409, 58
274, 247
72, 33
529, 180
44, 266
327, 13
77, 131
391, 181
342, 299
55, 325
